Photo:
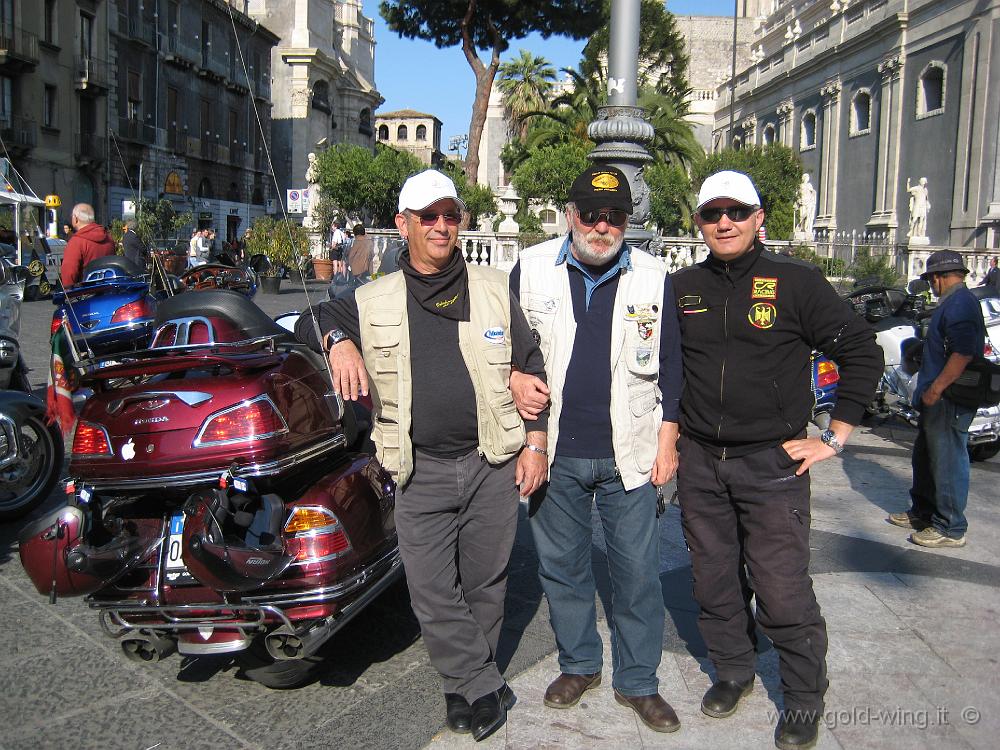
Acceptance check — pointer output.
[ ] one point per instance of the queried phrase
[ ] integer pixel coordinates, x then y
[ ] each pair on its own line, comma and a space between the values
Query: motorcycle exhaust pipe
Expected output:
283, 645
147, 647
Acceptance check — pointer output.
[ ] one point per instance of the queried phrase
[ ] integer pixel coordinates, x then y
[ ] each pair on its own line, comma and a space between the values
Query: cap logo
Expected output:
604, 181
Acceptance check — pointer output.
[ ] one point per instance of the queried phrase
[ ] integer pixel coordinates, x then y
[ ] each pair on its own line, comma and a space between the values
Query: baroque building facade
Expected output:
875, 95
409, 130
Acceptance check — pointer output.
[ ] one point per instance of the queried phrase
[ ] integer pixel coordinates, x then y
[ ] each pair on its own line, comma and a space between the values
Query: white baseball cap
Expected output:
425, 188
728, 184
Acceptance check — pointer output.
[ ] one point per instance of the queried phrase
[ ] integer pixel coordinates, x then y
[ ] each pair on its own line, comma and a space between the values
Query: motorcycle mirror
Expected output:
918, 286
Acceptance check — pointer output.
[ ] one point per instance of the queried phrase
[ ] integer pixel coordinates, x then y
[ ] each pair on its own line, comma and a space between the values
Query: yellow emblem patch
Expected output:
604, 181
764, 288
762, 315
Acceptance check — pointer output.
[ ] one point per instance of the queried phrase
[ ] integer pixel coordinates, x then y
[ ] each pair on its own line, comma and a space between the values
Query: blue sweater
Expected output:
956, 327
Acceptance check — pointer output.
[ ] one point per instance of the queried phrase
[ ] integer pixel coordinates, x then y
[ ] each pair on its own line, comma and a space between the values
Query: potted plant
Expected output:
281, 244
323, 215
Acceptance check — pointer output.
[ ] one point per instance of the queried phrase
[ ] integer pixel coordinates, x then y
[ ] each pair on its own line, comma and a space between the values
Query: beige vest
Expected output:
635, 401
484, 341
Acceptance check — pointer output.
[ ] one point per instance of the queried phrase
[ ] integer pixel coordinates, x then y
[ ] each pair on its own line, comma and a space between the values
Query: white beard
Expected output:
606, 247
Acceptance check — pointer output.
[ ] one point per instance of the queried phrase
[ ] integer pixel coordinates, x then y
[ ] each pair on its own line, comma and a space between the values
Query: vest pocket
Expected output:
642, 404
505, 431
643, 360
385, 435
498, 359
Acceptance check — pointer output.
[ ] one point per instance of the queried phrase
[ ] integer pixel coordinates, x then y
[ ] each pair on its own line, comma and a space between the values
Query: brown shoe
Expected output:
654, 712
567, 689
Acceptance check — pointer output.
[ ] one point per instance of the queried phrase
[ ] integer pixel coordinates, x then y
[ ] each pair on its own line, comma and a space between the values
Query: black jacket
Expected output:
747, 330
135, 249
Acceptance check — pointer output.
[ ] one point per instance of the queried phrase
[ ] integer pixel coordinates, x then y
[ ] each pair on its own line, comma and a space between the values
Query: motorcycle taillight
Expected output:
318, 535
251, 420
91, 440
131, 311
826, 374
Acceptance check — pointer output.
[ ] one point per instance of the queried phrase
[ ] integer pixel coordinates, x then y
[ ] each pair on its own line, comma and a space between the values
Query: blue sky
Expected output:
413, 74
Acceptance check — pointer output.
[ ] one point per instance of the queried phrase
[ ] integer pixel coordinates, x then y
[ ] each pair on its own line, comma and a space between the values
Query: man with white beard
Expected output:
603, 317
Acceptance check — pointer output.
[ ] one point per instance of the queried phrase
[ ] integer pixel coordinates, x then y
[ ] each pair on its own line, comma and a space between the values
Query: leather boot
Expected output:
653, 711
723, 698
459, 713
567, 689
798, 731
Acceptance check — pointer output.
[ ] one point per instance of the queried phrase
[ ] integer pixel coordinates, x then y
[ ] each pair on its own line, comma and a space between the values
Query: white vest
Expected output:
485, 343
635, 401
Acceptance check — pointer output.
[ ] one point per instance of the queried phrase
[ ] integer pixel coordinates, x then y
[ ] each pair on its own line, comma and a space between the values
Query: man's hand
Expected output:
350, 379
931, 396
813, 450
530, 394
666, 454
532, 466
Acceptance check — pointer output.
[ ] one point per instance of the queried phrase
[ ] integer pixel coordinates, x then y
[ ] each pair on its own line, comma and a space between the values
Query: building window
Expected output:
86, 35
383, 132
930, 90
807, 136
421, 132
321, 96
49, 108
134, 106
6, 100
365, 121
548, 216
205, 188
768, 135
49, 22
861, 113
401, 133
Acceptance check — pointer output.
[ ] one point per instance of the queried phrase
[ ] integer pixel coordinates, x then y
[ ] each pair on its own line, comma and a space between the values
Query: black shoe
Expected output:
490, 712
798, 732
459, 713
723, 698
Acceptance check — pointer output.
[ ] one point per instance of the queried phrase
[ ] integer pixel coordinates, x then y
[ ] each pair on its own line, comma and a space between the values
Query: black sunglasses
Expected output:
615, 217
430, 219
735, 213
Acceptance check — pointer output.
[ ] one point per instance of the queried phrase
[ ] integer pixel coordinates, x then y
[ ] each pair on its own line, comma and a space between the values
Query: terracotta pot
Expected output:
323, 269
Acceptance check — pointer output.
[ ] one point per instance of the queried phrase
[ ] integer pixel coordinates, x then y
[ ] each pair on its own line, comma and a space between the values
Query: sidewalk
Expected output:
914, 633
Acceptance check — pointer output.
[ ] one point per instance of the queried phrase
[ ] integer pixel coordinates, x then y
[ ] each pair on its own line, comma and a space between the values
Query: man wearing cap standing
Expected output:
749, 320
437, 340
940, 458
603, 317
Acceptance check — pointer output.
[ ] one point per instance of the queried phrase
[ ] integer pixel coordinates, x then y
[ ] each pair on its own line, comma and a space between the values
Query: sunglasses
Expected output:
735, 213
431, 219
616, 218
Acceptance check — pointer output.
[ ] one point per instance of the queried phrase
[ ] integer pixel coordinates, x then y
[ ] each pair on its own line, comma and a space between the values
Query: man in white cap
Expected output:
749, 320
437, 340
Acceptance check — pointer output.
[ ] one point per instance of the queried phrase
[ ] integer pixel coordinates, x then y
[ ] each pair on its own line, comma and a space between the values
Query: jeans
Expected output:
561, 527
941, 467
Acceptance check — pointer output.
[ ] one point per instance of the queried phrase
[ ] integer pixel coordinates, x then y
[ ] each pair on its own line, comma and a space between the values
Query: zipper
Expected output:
725, 348
781, 404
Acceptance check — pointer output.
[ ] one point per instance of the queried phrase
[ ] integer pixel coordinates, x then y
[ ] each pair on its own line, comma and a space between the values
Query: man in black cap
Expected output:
940, 458
602, 315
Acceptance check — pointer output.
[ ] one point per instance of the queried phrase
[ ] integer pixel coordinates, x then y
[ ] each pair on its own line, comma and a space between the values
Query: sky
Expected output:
414, 74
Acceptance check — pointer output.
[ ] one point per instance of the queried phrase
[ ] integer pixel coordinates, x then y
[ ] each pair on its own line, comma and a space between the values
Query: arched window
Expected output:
321, 96
737, 143
258, 196
768, 134
421, 132
807, 137
365, 121
861, 113
548, 216
930, 90
383, 132
205, 188
234, 193
401, 133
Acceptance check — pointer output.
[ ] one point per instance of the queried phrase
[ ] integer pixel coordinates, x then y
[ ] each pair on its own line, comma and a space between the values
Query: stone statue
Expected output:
805, 209
312, 178
920, 205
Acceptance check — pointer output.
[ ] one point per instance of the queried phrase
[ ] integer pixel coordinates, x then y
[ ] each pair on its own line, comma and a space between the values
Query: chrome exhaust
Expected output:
147, 646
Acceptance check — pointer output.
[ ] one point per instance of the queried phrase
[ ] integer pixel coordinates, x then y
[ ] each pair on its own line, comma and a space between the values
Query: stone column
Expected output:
785, 111
826, 212
621, 130
890, 111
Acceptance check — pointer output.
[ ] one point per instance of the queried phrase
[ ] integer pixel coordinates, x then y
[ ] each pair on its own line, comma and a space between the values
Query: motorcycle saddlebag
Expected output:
43, 545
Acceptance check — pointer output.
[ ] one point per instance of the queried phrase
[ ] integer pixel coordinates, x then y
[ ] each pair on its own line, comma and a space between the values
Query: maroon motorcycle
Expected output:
221, 497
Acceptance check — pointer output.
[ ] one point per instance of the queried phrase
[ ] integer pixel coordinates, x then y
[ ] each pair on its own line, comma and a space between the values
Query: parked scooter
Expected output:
31, 451
899, 318
220, 499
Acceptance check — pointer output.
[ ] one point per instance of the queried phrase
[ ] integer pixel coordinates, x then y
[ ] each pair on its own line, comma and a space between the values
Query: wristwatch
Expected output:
333, 338
829, 437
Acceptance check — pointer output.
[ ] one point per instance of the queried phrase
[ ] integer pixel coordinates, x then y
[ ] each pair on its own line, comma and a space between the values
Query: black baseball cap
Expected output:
601, 186
943, 261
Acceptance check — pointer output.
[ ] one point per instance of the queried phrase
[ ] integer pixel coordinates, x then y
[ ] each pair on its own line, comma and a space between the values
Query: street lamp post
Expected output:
621, 130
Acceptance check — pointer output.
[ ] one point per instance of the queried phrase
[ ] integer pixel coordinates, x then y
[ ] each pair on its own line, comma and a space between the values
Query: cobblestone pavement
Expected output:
914, 638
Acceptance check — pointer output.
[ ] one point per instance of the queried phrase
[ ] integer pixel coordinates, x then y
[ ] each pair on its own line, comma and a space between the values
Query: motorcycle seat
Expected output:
118, 263
232, 307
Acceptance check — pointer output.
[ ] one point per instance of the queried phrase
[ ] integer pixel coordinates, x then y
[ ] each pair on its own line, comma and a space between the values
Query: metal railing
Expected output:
137, 28
135, 130
91, 71
178, 47
91, 147
19, 132
18, 43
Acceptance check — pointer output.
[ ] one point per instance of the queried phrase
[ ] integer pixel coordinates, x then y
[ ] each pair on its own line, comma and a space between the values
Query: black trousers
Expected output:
746, 521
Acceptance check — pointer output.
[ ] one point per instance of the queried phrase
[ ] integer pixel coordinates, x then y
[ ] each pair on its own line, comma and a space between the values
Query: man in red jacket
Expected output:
89, 242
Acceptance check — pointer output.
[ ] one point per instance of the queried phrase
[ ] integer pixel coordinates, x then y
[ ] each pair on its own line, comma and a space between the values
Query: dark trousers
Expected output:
746, 521
456, 520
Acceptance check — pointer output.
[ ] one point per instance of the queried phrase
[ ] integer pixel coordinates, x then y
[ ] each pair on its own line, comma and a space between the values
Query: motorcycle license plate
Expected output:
174, 568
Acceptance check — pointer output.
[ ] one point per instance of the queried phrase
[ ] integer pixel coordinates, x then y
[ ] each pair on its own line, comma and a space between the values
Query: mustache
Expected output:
596, 238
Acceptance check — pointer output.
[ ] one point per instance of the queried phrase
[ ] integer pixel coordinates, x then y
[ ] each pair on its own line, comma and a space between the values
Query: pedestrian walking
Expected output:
132, 245
956, 335
438, 340
749, 320
88, 242
359, 259
603, 315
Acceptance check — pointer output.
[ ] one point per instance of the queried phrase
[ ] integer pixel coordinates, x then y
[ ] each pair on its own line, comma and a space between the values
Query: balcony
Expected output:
133, 130
210, 67
238, 156
92, 76
209, 149
137, 29
90, 150
18, 49
20, 134
180, 53
262, 89
177, 140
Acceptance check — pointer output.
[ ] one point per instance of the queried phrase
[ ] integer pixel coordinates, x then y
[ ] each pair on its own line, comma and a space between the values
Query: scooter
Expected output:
899, 318
31, 451
221, 498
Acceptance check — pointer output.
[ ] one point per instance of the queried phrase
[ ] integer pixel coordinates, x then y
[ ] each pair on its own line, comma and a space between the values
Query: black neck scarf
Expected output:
444, 293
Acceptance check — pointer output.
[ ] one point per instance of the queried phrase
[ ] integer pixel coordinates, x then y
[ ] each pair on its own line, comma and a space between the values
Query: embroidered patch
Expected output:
762, 315
644, 313
645, 330
764, 288
446, 302
536, 336
689, 300
642, 356
604, 181
494, 335
692, 312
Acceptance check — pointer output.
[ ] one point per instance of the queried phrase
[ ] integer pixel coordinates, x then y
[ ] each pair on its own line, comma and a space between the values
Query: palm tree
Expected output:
525, 84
